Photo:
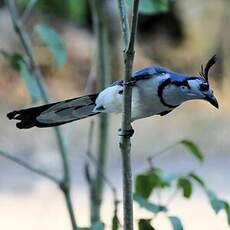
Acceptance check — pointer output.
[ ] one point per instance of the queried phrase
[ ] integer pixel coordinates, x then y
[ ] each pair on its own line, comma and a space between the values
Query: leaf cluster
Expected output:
153, 181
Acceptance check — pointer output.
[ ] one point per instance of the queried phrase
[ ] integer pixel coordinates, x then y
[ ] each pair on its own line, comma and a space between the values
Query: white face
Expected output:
195, 91
198, 89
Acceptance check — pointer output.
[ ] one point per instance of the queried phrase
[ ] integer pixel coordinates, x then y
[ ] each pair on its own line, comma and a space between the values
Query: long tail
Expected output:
56, 113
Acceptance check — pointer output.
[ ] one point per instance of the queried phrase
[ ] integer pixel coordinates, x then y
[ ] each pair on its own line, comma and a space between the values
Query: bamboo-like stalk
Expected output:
98, 8
27, 45
125, 143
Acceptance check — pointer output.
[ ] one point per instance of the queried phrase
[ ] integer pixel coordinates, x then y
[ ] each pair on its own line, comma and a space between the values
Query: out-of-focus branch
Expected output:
27, 45
29, 167
171, 197
133, 27
124, 21
115, 42
98, 8
91, 83
125, 143
155, 155
94, 161
28, 10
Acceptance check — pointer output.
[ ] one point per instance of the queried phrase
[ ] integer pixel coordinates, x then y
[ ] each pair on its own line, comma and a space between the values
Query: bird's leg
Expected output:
126, 133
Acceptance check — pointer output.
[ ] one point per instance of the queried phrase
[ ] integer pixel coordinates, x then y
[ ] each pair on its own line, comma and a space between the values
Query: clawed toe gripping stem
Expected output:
130, 83
126, 133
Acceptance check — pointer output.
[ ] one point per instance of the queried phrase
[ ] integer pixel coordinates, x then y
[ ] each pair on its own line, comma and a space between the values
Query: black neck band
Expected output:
160, 93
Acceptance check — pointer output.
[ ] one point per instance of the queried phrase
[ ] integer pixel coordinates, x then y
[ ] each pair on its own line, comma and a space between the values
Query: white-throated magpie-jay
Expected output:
155, 91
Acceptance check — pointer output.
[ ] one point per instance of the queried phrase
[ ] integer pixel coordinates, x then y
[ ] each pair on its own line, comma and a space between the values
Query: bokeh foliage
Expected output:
69, 9
154, 181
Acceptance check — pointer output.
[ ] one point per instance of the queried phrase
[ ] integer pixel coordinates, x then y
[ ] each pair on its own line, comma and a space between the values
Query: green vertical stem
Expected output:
100, 28
125, 142
124, 22
28, 47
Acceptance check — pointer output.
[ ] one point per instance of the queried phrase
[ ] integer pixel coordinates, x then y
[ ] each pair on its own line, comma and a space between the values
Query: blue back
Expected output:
148, 72
152, 70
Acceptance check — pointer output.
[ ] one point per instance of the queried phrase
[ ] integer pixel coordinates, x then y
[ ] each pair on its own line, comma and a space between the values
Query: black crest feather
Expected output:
204, 71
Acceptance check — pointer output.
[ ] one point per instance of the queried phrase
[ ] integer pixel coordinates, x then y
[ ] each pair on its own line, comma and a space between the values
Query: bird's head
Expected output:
184, 87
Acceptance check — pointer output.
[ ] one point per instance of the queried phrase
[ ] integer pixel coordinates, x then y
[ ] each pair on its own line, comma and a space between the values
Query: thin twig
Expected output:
124, 21
159, 195
125, 143
171, 198
90, 139
94, 161
27, 45
91, 82
28, 10
133, 26
63, 153
29, 167
157, 154
98, 8
167, 203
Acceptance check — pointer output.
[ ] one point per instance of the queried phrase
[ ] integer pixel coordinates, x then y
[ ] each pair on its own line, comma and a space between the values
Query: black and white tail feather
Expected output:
55, 114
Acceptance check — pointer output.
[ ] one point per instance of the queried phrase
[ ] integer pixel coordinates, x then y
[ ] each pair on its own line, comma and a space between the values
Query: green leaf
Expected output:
227, 210
197, 179
31, 84
54, 43
152, 6
176, 223
193, 148
18, 63
186, 186
148, 205
115, 221
145, 224
216, 203
13, 59
97, 226
145, 183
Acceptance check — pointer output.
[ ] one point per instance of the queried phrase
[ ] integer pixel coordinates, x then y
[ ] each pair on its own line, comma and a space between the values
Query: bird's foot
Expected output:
126, 133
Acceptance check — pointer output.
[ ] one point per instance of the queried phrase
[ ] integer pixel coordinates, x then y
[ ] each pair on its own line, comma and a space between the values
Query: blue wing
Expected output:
144, 73
149, 72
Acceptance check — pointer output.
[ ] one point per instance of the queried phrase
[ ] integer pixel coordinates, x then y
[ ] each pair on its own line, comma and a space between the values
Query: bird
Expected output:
155, 91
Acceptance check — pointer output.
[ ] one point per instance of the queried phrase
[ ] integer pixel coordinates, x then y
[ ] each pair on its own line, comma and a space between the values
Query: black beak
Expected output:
212, 100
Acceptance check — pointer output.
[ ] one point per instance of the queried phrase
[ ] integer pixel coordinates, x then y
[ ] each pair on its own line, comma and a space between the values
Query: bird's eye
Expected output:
204, 87
183, 87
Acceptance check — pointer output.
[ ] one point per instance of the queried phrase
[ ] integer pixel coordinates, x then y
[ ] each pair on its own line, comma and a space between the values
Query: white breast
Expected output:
145, 100
110, 100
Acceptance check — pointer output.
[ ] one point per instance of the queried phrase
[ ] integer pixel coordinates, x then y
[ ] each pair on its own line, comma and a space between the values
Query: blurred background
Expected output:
180, 39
